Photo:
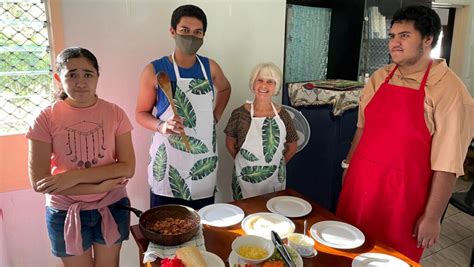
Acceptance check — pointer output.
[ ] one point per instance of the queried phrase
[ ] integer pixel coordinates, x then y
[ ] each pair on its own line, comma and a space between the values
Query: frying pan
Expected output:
161, 212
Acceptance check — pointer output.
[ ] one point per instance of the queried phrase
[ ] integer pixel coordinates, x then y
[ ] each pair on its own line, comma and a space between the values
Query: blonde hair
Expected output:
266, 70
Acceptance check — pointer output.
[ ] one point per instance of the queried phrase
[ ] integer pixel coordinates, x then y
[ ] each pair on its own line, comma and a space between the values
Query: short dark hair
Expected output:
188, 11
69, 53
426, 20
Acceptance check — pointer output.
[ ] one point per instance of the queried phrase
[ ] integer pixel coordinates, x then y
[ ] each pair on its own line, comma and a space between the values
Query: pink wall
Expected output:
24, 239
13, 163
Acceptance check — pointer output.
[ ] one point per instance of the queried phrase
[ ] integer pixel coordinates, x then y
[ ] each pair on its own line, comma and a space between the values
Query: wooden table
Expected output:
219, 240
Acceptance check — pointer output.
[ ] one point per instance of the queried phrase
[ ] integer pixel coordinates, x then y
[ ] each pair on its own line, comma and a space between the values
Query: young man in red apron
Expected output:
392, 191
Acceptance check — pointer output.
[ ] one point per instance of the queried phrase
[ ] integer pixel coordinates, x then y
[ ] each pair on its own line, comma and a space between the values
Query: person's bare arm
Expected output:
290, 150
123, 167
146, 101
355, 142
105, 186
223, 89
230, 143
428, 226
39, 161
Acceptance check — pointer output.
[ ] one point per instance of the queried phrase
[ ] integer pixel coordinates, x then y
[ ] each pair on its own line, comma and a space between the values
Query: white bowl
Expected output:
253, 240
303, 244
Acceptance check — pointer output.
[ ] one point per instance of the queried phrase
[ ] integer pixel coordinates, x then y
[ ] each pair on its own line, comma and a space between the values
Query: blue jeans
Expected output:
91, 226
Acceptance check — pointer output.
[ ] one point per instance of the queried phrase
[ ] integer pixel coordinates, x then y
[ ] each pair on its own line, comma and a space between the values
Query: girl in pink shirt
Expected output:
81, 156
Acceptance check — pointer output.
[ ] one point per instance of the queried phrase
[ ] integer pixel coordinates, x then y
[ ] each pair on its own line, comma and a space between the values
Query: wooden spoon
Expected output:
164, 82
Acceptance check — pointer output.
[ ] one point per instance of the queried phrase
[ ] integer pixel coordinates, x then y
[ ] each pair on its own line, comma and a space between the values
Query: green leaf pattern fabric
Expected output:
214, 139
187, 174
248, 155
185, 108
199, 87
236, 190
160, 163
259, 168
257, 174
203, 168
282, 171
179, 188
270, 138
197, 146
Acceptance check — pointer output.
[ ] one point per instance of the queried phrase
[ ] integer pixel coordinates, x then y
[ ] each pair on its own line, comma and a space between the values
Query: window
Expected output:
25, 63
436, 52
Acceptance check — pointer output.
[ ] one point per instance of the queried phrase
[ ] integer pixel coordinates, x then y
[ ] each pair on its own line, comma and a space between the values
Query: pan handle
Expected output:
137, 212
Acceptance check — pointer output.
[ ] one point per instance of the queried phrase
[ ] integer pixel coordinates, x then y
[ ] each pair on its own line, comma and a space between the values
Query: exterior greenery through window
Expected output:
25, 63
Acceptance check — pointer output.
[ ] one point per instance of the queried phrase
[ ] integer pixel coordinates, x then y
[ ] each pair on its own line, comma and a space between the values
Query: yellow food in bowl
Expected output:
300, 240
252, 252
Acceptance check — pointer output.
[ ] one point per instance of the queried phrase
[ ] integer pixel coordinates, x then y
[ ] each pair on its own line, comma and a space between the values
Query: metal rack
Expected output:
374, 51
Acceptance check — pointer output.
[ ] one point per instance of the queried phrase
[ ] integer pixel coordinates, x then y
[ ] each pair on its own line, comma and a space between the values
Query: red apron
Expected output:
387, 184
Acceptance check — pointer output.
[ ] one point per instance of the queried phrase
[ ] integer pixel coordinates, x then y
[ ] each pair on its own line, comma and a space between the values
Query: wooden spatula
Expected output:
164, 82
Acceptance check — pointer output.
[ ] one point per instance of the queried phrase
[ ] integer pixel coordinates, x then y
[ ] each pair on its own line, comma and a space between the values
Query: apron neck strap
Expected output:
423, 82
252, 110
176, 69
390, 75
425, 78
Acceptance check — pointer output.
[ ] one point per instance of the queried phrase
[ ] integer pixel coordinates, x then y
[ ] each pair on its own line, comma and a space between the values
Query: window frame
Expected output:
13, 169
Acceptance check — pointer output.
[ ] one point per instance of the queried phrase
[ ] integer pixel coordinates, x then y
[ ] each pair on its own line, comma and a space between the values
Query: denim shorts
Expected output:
91, 226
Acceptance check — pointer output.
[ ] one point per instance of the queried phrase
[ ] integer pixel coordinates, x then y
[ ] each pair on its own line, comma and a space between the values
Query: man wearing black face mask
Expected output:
175, 175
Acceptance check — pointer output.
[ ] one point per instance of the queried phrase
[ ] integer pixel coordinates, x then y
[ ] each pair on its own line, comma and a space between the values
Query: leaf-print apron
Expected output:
388, 182
172, 171
259, 166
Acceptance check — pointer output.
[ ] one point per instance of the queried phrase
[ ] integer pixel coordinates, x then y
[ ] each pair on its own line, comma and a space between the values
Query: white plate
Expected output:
337, 234
262, 223
212, 259
377, 259
234, 258
289, 206
221, 215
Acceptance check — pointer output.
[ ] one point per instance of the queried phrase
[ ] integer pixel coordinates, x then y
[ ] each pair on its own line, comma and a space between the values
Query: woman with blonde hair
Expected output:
260, 137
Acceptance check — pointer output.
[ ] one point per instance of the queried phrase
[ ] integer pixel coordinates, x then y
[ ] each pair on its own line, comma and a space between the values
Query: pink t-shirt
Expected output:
80, 137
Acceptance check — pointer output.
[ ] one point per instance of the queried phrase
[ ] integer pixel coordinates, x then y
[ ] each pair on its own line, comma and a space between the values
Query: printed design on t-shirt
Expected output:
85, 143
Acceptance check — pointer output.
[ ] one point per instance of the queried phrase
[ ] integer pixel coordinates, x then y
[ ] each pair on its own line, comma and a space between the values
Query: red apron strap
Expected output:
425, 78
390, 75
